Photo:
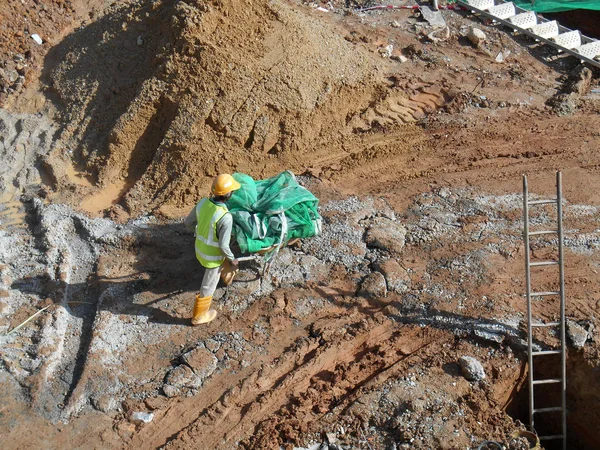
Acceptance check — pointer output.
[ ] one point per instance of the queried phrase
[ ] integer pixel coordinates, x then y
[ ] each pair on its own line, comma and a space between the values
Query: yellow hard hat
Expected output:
223, 184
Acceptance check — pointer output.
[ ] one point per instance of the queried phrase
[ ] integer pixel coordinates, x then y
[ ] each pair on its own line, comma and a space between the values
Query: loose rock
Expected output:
386, 235
373, 286
104, 403
202, 362
471, 368
180, 376
171, 391
396, 276
38, 40
578, 335
399, 58
476, 36
386, 51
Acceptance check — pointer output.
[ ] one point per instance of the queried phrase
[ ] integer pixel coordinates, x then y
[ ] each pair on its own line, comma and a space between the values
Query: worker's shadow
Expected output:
159, 282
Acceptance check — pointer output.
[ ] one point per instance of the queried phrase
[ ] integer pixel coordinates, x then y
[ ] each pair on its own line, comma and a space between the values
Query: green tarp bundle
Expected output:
558, 5
272, 211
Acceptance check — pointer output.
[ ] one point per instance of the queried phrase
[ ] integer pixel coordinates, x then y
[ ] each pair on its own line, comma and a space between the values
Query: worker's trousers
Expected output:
210, 281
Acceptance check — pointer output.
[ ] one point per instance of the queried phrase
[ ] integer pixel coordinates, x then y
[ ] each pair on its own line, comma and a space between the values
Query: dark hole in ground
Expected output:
588, 22
583, 403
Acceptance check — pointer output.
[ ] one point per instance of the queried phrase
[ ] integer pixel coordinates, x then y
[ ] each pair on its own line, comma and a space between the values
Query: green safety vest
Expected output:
207, 242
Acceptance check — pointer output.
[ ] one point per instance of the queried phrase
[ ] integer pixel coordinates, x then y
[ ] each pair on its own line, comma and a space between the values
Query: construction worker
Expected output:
212, 222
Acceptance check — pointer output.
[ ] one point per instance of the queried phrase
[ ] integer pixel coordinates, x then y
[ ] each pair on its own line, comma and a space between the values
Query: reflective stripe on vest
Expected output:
207, 242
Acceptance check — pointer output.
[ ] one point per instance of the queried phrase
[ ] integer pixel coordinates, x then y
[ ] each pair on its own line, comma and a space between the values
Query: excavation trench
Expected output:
583, 401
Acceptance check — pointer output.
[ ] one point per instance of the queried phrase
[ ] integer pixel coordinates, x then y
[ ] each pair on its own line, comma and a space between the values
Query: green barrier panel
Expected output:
558, 5
257, 207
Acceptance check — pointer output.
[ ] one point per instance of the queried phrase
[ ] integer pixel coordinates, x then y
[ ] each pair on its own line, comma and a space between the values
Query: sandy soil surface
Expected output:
415, 141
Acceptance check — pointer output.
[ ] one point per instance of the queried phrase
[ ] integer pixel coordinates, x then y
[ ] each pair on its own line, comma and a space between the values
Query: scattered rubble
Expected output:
575, 85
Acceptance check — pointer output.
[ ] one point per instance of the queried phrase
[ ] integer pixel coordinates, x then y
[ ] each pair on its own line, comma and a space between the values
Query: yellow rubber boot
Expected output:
202, 312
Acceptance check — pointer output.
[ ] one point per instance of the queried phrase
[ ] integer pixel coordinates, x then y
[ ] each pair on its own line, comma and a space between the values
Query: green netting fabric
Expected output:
558, 5
266, 212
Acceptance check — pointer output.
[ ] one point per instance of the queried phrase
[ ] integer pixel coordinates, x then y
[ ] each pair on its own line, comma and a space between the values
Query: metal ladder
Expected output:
549, 32
561, 324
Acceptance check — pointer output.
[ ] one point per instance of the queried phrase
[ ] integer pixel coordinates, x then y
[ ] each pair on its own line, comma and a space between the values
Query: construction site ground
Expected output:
414, 140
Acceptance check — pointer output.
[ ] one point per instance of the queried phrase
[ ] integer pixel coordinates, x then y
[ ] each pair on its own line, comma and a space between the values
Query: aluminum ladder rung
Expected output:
548, 381
546, 352
541, 202
550, 409
551, 437
544, 294
547, 324
544, 263
537, 233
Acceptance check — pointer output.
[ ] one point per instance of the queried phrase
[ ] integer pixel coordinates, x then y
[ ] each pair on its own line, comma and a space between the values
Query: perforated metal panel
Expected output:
503, 11
551, 33
524, 20
569, 40
483, 5
546, 30
591, 50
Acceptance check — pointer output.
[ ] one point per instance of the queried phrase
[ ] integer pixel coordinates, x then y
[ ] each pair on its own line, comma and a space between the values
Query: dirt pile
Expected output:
171, 93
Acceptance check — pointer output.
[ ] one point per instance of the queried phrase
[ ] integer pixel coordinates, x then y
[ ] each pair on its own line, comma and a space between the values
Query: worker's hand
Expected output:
235, 262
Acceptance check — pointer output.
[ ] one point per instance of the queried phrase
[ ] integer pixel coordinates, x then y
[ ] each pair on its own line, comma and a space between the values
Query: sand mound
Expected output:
159, 97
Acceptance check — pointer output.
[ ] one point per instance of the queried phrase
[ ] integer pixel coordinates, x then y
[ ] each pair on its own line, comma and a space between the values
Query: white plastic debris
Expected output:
400, 58
38, 40
386, 52
439, 34
501, 57
141, 417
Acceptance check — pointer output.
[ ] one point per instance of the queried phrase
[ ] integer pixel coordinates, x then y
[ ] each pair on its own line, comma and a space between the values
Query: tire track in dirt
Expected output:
328, 367
268, 388
478, 154
340, 385
12, 216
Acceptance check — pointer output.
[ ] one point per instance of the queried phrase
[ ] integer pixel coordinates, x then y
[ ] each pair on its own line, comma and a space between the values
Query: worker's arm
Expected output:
190, 221
224, 227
